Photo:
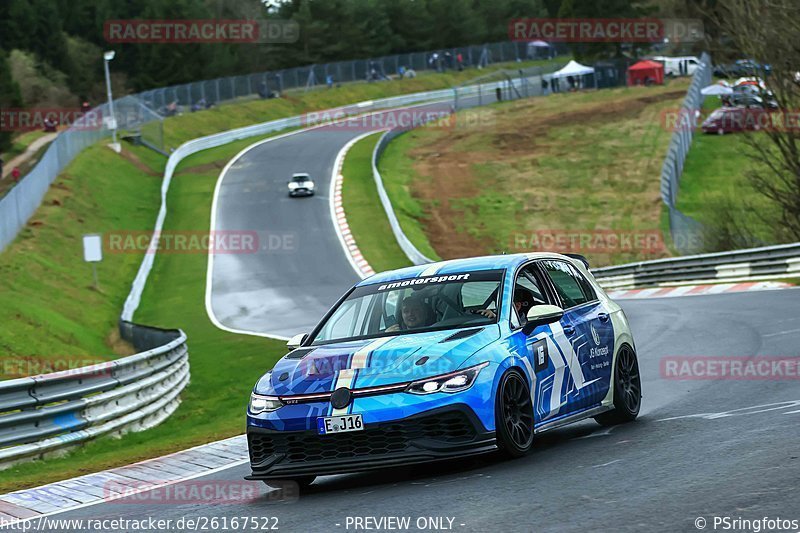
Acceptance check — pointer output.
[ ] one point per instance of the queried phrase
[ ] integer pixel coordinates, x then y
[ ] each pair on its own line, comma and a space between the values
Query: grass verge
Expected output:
362, 206
52, 312
224, 366
245, 112
517, 175
716, 191
45, 281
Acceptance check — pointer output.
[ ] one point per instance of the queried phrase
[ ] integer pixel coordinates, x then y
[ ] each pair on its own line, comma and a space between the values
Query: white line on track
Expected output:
218, 186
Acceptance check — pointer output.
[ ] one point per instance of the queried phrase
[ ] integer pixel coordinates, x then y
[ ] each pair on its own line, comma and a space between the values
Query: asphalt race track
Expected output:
650, 475
287, 287
300, 269
740, 459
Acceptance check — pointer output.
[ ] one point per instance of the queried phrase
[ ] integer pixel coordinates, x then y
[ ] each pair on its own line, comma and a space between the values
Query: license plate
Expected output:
339, 424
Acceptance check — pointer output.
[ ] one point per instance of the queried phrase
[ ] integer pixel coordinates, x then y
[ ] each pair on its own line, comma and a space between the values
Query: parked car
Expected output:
679, 66
301, 184
742, 67
450, 359
736, 119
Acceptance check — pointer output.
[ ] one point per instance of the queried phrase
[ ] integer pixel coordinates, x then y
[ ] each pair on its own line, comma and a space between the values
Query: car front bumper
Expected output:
301, 192
442, 433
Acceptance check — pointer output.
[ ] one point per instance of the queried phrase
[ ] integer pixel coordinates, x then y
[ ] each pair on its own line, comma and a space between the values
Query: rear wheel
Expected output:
514, 415
627, 389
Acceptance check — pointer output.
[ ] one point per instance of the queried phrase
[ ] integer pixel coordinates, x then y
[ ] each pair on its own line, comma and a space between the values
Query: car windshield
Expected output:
414, 305
301, 177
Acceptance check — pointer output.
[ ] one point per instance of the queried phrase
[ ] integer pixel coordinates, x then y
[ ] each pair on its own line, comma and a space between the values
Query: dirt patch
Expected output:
452, 173
208, 167
519, 136
138, 163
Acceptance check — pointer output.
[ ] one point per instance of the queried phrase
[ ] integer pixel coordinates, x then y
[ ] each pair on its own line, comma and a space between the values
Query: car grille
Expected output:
394, 437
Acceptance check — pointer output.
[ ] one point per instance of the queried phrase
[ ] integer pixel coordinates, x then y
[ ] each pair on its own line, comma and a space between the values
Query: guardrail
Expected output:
416, 257
739, 265
523, 86
218, 139
46, 413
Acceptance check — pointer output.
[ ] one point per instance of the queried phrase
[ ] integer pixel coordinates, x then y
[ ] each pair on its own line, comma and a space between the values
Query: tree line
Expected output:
51, 50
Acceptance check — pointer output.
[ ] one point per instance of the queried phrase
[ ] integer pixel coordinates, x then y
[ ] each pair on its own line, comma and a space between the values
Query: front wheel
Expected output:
514, 415
627, 390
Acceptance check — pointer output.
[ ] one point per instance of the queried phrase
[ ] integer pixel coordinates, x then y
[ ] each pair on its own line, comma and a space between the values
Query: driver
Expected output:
523, 300
415, 314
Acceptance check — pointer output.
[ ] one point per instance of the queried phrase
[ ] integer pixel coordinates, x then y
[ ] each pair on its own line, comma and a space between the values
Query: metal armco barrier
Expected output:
46, 413
527, 84
414, 255
218, 139
739, 265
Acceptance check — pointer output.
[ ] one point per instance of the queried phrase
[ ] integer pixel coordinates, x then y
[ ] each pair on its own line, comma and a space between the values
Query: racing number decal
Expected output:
540, 355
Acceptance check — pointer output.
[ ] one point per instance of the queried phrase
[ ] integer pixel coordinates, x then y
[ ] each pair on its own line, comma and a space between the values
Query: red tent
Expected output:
645, 73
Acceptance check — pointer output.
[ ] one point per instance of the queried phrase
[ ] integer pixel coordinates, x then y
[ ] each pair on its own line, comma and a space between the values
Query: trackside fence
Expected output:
43, 414
684, 229
768, 262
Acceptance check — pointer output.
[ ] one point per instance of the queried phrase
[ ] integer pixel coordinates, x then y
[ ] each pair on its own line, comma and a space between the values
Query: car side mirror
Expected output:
296, 341
539, 315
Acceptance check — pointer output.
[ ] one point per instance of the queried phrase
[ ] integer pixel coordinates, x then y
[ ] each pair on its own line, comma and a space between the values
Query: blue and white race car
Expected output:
445, 360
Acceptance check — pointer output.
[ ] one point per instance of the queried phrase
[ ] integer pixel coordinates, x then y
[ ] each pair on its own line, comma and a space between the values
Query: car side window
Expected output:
588, 290
389, 310
474, 295
566, 283
526, 288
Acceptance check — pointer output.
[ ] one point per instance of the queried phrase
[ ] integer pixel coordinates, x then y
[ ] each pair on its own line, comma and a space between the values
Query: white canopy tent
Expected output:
716, 90
573, 68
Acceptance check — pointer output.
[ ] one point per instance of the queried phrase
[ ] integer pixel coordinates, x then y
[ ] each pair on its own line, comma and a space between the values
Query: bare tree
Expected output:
767, 31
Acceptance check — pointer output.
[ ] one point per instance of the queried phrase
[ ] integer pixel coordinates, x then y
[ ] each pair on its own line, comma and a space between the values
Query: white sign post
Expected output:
93, 252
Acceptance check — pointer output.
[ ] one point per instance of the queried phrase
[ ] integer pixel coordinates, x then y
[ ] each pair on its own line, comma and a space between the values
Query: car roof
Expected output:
457, 266
300, 175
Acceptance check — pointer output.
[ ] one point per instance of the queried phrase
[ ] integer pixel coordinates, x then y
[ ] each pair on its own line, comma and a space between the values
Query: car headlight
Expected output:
263, 404
452, 382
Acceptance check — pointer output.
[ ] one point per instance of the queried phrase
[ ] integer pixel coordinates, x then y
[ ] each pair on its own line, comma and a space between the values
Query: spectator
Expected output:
544, 86
15, 174
85, 107
263, 90
50, 125
200, 104
329, 81
460, 61
401, 71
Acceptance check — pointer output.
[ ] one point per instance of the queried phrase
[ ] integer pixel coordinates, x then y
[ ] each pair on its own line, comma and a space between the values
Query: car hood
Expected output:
383, 361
